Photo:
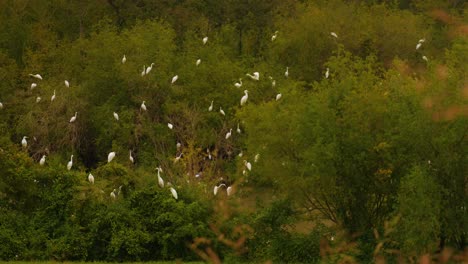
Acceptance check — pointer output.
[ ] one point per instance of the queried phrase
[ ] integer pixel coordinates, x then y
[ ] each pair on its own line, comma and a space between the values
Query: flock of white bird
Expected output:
255, 76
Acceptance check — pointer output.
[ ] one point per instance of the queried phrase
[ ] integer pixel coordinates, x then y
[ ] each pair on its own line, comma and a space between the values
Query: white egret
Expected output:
273, 81
170, 126
256, 158
37, 76
38, 99
238, 128
174, 79
116, 116
67, 84
91, 178
33, 85
244, 98
178, 145
149, 68
274, 36
24, 142
160, 179
255, 76
52, 98
327, 73
1, 105
112, 194
73, 118
210, 108
425, 58
111, 156
143, 106
198, 62
124, 59
248, 165
229, 190
70, 163
418, 45
240, 154
422, 40
286, 73
278, 96
130, 157
205, 39
334, 34
144, 71
177, 158
42, 161
222, 111
228, 134
238, 84
174, 193
120, 190
215, 190
209, 153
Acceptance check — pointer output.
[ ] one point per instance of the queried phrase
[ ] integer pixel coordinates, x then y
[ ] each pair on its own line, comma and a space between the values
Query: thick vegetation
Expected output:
355, 131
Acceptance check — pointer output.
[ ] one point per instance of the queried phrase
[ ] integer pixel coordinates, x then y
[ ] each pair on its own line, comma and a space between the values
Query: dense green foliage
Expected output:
363, 157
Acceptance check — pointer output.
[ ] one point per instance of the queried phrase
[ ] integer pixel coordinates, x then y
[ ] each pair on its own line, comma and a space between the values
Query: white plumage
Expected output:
110, 157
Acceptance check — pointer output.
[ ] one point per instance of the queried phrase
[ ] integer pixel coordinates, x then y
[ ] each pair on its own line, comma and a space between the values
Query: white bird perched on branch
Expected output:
160, 179
52, 98
149, 68
38, 99
116, 116
33, 85
210, 108
70, 163
67, 84
255, 76
334, 34
327, 73
228, 134
286, 73
143, 106
112, 194
1, 105
24, 142
174, 79
124, 59
244, 98
238, 84
73, 118
130, 157
177, 158
144, 71
198, 62
238, 128
248, 165
91, 178
174, 193
205, 40
274, 36
42, 161
170, 126
278, 96
222, 111
110, 157
37, 76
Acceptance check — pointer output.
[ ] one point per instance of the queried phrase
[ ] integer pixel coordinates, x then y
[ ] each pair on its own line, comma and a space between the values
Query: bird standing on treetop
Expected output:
73, 118
244, 98
70, 163
255, 76
110, 157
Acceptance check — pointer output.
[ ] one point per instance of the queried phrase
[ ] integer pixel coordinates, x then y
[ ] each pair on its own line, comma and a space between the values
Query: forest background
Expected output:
361, 159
